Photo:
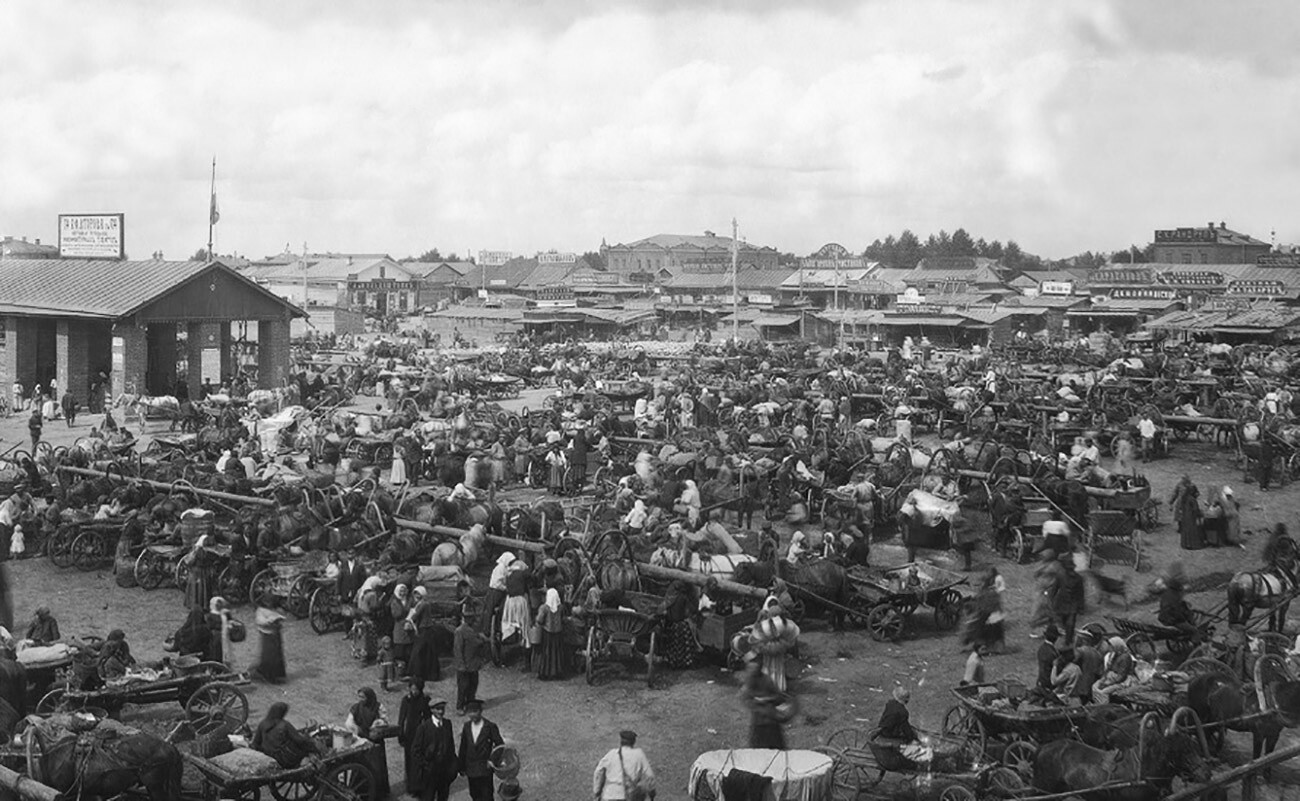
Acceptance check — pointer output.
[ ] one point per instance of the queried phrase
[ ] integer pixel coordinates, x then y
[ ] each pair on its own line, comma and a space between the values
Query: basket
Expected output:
505, 762
185, 665
1111, 523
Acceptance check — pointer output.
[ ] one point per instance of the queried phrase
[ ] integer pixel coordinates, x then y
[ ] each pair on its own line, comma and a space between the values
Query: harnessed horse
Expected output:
1272, 588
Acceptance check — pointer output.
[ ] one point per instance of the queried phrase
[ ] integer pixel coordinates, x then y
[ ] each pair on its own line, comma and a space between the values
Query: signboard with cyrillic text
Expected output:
92, 236
1057, 287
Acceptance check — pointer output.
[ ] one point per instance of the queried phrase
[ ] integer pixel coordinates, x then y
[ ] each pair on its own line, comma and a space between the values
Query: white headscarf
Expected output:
637, 517
497, 580
553, 599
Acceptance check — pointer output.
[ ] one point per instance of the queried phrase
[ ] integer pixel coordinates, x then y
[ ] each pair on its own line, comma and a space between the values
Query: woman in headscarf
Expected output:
772, 637
397, 472
1119, 670
689, 502
280, 740
798, 547
551, 661
516, 616
194, 636
370, 604
364, 714
398, 608
496, 591
522, 449
1231, 518
198, 584
115, 656
43, 629
557, 463
425, 652
679, 606
270, 634
635, 520
1187, 514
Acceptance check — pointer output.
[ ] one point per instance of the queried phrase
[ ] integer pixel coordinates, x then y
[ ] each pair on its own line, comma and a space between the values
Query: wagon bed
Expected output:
886, 601
206, 691
337, 774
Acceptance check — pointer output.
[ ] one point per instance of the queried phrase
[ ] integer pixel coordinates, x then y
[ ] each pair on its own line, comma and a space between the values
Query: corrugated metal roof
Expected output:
479, 313
745, 279
774, 320
100, 289
547, 275
1046, 301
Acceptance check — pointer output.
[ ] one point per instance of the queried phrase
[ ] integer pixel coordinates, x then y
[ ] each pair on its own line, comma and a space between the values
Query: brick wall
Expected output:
9, 359
272, 353
72, 342
129, 345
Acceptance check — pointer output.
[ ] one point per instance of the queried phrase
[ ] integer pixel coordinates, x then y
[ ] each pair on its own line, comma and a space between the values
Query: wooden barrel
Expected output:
191, 528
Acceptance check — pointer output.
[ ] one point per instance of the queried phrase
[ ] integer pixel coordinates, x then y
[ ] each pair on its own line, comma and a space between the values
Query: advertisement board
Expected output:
92, 236
1057, 287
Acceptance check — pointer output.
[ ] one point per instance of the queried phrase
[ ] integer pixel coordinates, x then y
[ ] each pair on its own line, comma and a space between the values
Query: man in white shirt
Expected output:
1147, 429
622, 769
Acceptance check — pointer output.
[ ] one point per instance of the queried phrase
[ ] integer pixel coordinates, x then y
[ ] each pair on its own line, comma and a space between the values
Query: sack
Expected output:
534, 634
236, 631
635, 794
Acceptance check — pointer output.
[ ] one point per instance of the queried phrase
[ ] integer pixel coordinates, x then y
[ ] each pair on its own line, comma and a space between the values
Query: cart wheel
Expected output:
650, 660
591, 655
60, 545
351, 781
1005, 783
299, 601
947, 609
957, 792
86, 551
303, 789
324, 610
1021, 548
885, 623
846, 779
149, 571
218, 699
855, 745
1142, 646
961, 722
1019, 756
260, 586
51, 702
247, 794
34, 750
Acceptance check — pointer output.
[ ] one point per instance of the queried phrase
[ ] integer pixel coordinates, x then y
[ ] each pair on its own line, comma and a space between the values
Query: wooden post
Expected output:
455, 533
206, 493
27, 789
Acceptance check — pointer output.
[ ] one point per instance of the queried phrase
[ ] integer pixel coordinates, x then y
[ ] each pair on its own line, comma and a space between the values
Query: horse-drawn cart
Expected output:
624, 634
291, 581
203, 689
889, 597
339, 774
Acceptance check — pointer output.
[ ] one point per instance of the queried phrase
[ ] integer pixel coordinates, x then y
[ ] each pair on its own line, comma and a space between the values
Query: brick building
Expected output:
667, 251
1209, 245
143, 323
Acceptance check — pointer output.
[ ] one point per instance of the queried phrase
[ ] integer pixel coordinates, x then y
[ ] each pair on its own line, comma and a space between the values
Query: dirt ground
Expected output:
562, 728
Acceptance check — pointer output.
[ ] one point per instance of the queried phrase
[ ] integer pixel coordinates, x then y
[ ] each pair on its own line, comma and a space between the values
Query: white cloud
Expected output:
459, 124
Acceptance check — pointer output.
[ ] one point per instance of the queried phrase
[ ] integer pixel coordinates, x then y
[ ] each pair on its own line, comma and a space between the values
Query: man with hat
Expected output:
433, 750
477, 739
624, 773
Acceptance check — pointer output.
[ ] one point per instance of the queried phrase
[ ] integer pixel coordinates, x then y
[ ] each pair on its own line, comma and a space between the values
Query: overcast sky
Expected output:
396, 127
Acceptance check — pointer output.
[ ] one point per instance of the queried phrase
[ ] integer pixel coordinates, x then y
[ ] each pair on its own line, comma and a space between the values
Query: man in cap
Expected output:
477, 739
468, 655
434, 751
624, 773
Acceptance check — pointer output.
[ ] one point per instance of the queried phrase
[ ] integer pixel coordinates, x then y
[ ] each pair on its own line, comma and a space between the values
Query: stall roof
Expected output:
942, 321
774, 321
479, 313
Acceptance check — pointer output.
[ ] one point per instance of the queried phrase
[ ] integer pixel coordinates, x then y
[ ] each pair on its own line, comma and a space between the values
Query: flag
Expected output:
213, 214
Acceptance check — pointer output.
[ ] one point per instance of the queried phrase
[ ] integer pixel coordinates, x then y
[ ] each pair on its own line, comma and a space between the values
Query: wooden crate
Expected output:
717, 631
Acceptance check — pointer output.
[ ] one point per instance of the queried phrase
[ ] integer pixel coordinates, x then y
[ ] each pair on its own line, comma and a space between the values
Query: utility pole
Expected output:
304, 275
212, 205
735, 282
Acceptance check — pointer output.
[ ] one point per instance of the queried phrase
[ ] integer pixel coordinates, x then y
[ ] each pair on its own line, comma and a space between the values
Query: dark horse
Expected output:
1271, 589
814, 582
106, 761
1220, 699
1067, 765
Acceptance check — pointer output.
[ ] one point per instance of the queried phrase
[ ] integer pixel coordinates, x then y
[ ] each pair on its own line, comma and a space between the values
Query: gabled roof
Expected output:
326, 267
821, 277
747, 278
424, 269
108, 290
678, 241
510, 275
547, 275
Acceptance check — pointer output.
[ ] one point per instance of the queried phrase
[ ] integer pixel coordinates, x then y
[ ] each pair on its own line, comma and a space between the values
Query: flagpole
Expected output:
212, 204
735, 282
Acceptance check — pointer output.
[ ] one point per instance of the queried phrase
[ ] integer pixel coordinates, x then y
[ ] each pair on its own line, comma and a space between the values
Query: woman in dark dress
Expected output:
280, 740
425, 651
363, 719
679, 606
765, 709
413, 711
194, 636
270, 665
551, 662
1187, 512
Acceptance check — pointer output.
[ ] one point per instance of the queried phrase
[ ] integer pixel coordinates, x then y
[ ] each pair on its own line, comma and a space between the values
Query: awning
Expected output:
936, 322
1109, 312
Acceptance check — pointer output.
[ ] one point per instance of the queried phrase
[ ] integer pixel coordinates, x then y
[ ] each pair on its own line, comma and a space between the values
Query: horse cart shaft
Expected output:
455, 533
27, 789
207, 493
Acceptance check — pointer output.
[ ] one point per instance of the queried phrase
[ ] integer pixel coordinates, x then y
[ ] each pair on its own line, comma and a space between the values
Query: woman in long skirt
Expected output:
516, 615
198, 585
679, 605
425, 654
270, 664
551, 662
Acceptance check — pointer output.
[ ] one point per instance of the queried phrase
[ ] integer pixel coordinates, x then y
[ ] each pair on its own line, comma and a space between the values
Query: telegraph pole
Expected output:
735, 282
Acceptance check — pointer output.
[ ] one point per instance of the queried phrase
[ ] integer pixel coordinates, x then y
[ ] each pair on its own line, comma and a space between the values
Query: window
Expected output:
1205, 257
1187, 257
